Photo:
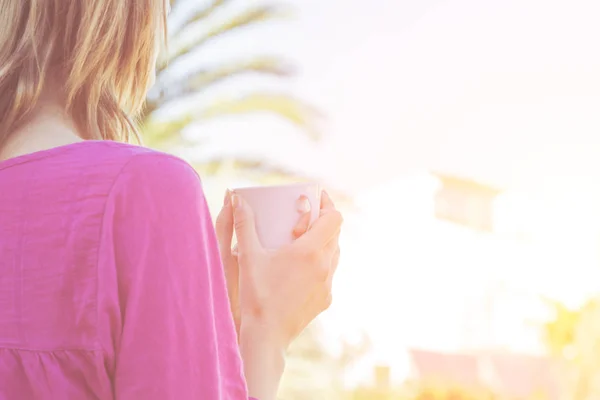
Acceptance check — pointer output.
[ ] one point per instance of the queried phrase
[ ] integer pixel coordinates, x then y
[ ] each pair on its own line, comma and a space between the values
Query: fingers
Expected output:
244, 226
323, 231
304, 207
334, 243
326, 202
303, 225
224, 231
224, 225
327, 226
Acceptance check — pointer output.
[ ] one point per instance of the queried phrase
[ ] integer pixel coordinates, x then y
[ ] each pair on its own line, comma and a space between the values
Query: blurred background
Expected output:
461, 138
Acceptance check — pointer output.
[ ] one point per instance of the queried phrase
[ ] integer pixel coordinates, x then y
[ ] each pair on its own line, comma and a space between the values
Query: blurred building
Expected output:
500, 325
508, 376
463, 267
465, 202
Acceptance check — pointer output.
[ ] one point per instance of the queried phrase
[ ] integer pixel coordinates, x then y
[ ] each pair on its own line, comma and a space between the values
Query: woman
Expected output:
112, 285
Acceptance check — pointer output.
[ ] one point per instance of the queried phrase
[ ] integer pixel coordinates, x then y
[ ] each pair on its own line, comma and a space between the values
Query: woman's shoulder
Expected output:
130, 157
122, 163
92, 160
147, 178
101, 169
143, 168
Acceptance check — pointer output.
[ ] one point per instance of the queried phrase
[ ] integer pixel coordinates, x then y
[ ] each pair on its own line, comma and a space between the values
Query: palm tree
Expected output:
574, 336
191, 30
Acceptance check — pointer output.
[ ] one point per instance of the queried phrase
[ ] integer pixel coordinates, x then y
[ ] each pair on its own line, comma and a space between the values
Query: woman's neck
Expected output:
49, 127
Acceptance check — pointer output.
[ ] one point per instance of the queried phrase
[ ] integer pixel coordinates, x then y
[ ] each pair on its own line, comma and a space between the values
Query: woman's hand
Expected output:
276, 294
282, 291
322, 259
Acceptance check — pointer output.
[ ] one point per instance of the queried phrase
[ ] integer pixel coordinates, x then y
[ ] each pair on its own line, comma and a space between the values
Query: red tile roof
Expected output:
460, 369
512, 375
521, 375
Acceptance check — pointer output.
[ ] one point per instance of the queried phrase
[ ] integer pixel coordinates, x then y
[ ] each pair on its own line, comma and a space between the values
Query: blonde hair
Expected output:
100, 52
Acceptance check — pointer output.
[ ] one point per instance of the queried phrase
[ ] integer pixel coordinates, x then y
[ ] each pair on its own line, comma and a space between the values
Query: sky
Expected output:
506, 92
497, 91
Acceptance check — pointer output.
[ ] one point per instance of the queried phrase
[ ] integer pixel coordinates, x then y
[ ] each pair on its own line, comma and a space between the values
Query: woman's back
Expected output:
83, 272
112, 285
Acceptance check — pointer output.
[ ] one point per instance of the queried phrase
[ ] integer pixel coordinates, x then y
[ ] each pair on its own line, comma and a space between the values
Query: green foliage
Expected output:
313, 372
279, 104
559, 332
193, 32
184, 44
423, 392
165, 134
311, 369
266, 65
574, 337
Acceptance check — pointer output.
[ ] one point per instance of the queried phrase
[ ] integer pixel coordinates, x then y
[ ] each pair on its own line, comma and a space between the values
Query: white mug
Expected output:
276, 210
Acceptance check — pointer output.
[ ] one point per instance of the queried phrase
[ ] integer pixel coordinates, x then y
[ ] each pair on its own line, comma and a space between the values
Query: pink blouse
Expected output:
111, 284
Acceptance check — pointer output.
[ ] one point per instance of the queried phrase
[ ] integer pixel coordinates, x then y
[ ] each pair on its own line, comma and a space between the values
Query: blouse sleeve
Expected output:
177, 338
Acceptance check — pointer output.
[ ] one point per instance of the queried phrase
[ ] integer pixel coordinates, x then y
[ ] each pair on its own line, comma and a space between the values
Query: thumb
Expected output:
244, 225
224, 226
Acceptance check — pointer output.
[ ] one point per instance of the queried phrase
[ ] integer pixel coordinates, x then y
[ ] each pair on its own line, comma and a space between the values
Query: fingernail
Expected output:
303, 204
227, 197
235, 201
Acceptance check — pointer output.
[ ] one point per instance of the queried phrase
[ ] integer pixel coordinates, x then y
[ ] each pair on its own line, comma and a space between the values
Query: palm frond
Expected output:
159, 134
198, 15
288, 107
266, 65
242, 20
149, 108
201, 79
191, 32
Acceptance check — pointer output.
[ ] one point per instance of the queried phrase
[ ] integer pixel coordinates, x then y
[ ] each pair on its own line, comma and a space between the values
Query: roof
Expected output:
513, 375
460, 369
520, 375
466, 184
